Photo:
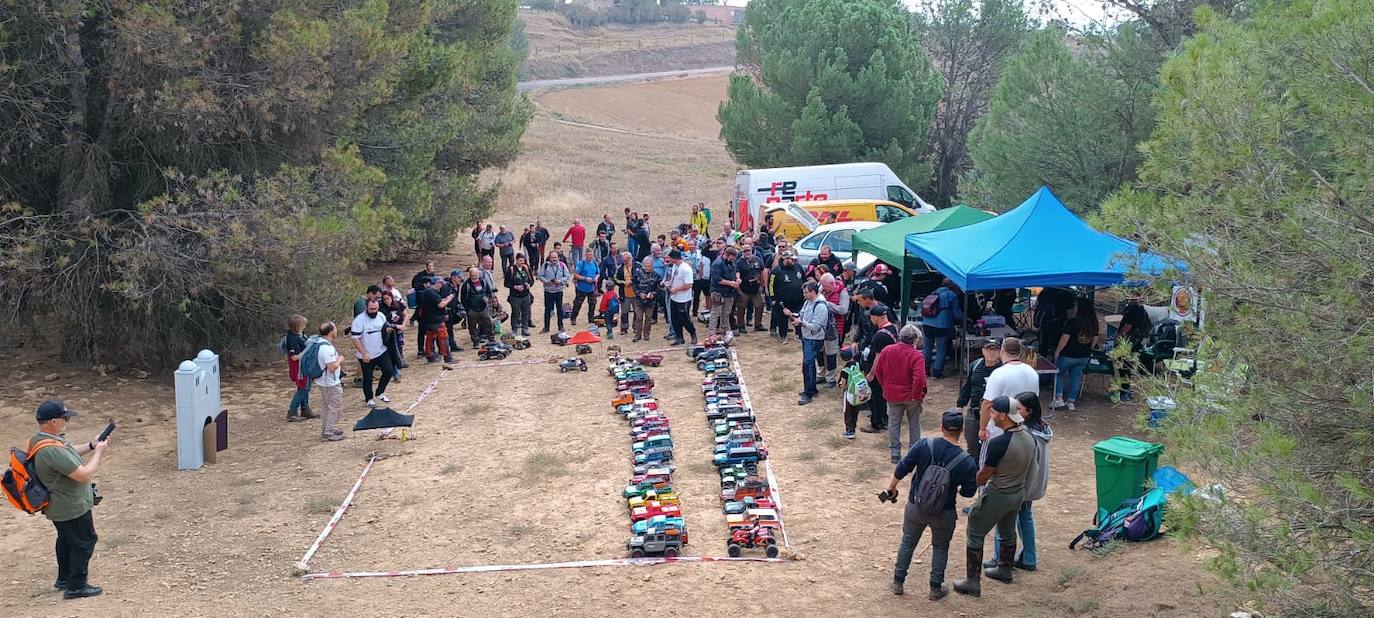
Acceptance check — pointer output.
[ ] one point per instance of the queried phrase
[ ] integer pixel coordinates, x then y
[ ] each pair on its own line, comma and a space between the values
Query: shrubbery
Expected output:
184, 176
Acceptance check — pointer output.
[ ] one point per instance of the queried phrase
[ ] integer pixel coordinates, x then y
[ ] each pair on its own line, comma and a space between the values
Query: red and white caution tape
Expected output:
545, 361
348, 500
334, 520
492, 568
767, 465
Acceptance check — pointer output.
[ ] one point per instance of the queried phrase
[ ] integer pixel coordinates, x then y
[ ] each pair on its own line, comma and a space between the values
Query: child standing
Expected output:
609, 306
295, 346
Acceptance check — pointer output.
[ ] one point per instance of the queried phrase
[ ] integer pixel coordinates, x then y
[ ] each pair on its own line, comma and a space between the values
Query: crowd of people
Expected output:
628, 278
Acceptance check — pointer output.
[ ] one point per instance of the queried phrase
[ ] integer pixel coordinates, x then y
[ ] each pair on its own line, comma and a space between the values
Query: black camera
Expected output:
888, 496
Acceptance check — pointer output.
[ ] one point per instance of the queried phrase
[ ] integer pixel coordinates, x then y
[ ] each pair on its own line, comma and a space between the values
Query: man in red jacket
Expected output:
578, 235
901, 372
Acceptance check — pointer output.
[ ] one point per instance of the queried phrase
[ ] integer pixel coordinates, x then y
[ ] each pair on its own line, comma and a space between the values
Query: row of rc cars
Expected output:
751, 516
656, 524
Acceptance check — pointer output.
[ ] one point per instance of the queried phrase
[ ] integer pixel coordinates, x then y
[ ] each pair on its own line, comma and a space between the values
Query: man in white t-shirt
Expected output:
679, 286
370, 349
330, 388
1012, 378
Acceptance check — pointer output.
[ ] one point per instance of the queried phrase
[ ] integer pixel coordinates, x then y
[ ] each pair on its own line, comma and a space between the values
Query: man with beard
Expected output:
725, 286
785, 283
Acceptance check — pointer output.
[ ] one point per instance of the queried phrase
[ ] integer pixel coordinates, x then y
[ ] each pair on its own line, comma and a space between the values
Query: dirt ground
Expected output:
525, 464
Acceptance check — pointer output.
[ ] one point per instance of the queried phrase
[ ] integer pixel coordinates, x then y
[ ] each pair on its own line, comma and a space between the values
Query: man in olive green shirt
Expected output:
70, 496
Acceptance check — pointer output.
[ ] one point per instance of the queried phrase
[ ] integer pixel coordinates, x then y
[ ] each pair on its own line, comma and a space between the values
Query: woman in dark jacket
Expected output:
395, 313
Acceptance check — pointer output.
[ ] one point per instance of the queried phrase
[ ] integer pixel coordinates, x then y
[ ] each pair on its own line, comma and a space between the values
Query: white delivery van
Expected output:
755, 189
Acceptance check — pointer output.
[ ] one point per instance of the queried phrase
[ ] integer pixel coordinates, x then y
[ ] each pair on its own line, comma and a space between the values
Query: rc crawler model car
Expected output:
569, 364
756, 537
657, 542
583, 348
493, 349
650, 360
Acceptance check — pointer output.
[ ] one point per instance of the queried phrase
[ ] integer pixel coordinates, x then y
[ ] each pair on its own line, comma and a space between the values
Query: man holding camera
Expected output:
961, 472
71, 495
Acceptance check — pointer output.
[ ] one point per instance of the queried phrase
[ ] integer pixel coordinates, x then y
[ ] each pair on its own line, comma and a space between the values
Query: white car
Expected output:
838, 236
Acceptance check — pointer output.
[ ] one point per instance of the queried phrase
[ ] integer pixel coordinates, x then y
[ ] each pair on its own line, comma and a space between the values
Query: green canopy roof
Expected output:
888, 242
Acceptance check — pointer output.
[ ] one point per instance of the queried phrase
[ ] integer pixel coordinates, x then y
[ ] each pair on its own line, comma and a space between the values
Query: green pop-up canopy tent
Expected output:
888, 242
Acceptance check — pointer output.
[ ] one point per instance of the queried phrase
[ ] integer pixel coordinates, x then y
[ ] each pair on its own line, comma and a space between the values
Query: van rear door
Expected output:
792, 209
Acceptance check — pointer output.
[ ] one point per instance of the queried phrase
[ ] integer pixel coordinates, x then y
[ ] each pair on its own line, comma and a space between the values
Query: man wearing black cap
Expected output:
1007, 462
971, 393
70, 495
877, 329
943, 452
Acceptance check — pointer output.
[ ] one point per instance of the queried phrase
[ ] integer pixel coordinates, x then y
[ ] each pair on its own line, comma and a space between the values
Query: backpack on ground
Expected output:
930, 305
310, 358
932, 493
20, 483
1137, 519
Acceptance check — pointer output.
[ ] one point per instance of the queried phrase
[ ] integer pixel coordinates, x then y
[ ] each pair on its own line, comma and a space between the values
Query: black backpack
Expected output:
932, 491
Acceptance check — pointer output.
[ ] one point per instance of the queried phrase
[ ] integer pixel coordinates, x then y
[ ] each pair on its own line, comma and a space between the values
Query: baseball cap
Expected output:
457, 272
52, 409
952, 420
878, 309
675, 254
788, 255
436, 279
1002, 405
879, 270
849, 265
992, 342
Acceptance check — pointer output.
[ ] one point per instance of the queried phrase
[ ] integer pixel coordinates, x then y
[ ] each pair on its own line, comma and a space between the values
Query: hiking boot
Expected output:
294, 418
1002, 572
636, 339
759, 328
60, 584
87, 591
331, 437
938, 592
307, 413
1023, 566
972, 584
870, 430
897, 588
803, 400
448, 360
431, 359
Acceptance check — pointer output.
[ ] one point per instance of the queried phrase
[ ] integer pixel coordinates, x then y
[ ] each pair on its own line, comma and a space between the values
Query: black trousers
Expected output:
681, 319
700, 287
75, 544
507, 261
553, 305
382, 362
877, 406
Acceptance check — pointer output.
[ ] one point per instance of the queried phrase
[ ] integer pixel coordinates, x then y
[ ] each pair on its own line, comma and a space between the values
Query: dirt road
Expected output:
549, 84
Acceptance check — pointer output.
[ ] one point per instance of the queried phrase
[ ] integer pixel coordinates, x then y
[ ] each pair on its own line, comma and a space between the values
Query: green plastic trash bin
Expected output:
1123, 466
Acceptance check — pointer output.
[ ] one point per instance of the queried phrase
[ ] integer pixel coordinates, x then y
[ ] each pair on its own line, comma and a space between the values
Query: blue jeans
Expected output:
301, 398
1025, 531
811, 349
1070, 377
937, 341
941, 531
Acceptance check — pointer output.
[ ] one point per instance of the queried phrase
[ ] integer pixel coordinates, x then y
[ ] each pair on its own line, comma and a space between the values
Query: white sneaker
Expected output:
1072, 407
1056, 404
372, 403
384, 398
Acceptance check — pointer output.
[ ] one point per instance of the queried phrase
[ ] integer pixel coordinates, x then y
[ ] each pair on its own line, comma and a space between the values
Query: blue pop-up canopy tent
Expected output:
1039, 243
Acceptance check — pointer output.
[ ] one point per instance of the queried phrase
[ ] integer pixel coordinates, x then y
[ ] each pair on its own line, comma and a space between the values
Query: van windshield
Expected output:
899, 194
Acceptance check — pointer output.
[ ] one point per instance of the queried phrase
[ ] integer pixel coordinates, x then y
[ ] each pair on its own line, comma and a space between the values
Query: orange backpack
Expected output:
20, 483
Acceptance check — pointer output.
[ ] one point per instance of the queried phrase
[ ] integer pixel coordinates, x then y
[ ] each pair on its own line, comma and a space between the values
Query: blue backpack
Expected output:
613, 307
1137, 519
310, 358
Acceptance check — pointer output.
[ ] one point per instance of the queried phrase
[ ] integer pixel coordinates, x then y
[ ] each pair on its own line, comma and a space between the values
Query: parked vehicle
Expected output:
795, 220
839, 237
754, 189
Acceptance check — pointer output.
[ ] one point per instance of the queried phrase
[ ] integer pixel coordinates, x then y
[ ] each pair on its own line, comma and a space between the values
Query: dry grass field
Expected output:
556, 49
523, 464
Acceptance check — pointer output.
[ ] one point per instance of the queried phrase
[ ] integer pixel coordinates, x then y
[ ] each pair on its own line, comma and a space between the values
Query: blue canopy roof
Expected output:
1039, 243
